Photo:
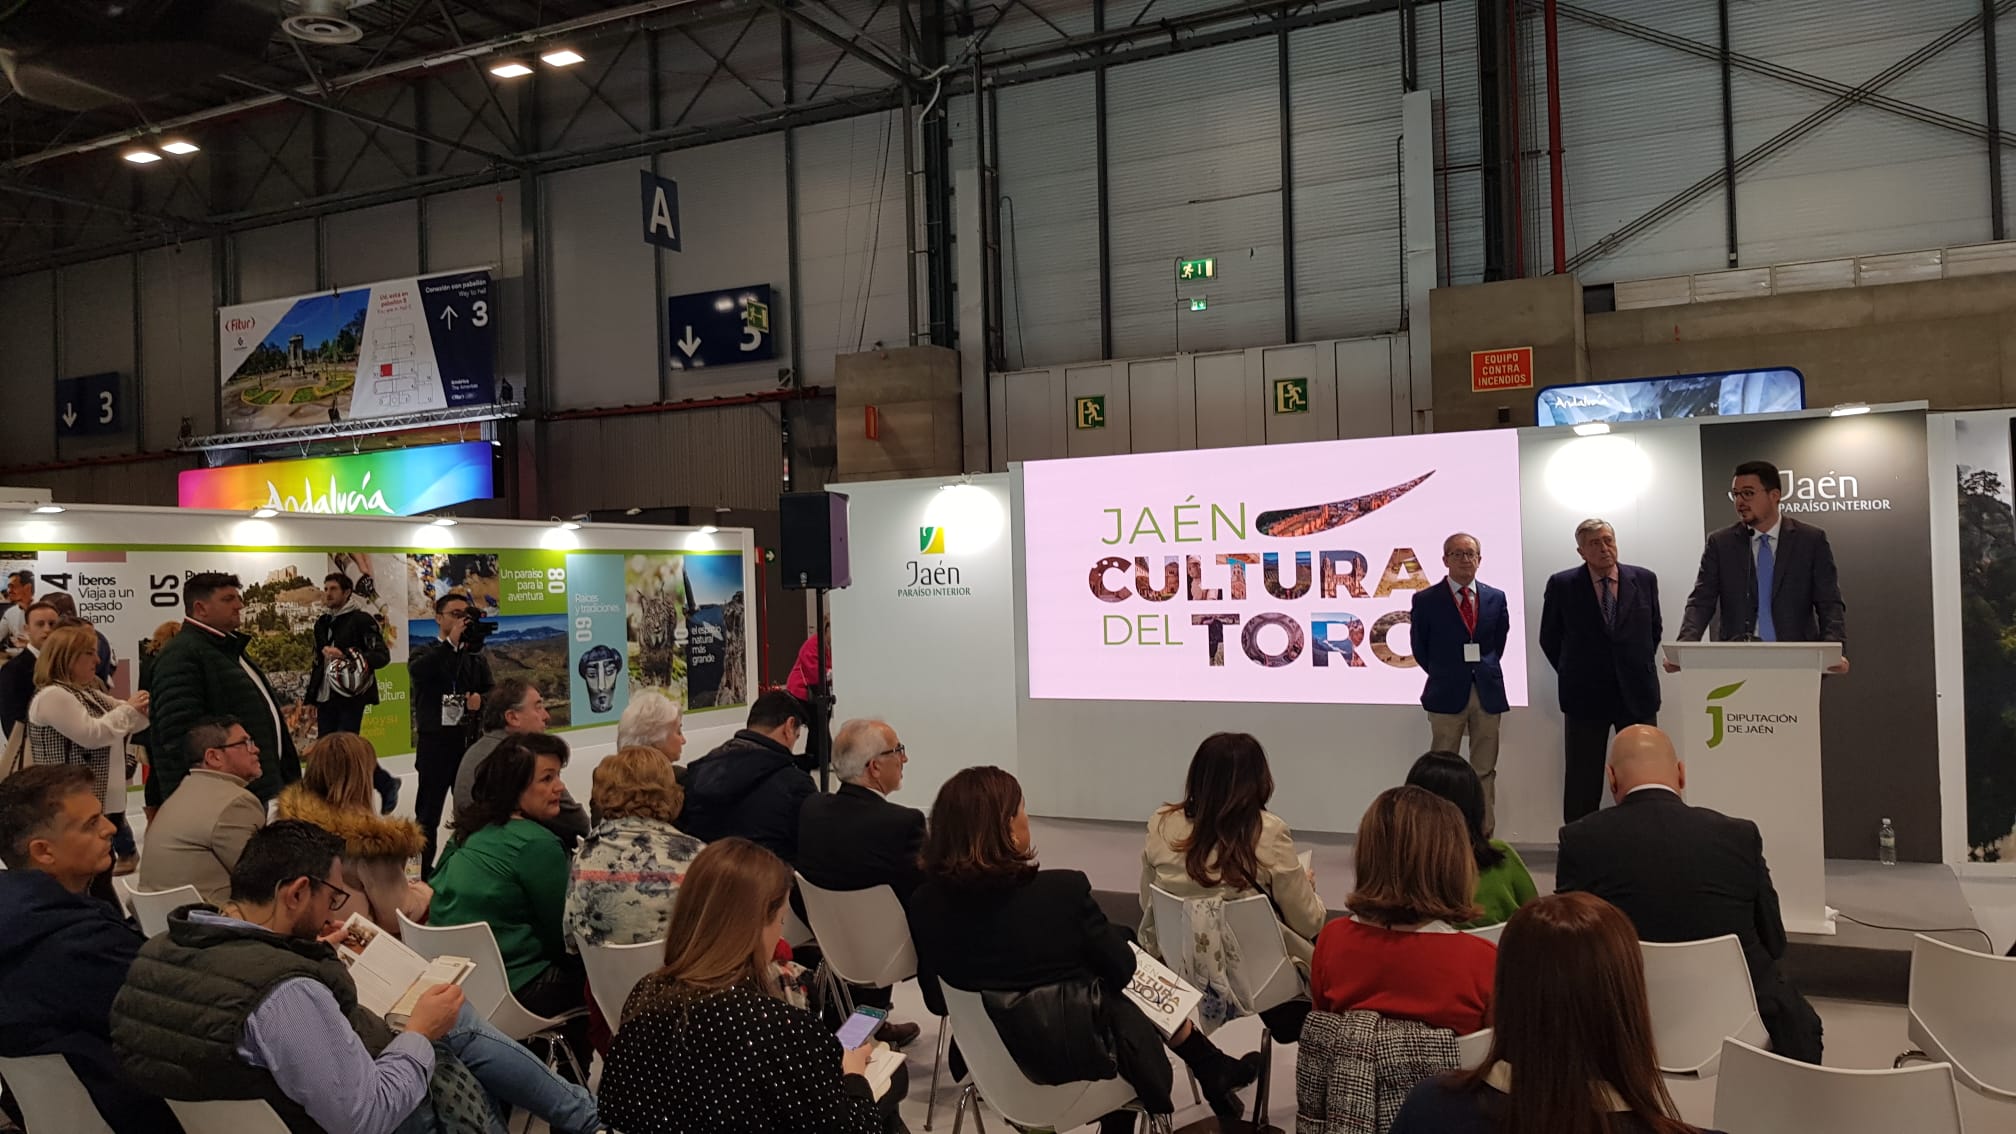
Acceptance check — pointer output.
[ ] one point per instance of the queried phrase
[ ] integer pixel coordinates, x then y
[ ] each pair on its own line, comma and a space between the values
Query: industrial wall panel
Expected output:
275, 261
726, 456
368, 245
824, 71
267, 160
461, 98
851, 290
1106, 380
28, 366
1035, 415
1162, 412
1316, 420
1034, 23
476, 228
1640, 122
1049, 221
602, 340
97, 318
1866, 181
734, 210
1449, 71
1229, 406
1344, 100
1193, 143
2005, 67
693, 89
141, 482
1365, 387
178, 343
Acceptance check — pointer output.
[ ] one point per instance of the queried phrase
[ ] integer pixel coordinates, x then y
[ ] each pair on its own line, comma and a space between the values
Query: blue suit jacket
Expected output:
1439, 638
1607, 672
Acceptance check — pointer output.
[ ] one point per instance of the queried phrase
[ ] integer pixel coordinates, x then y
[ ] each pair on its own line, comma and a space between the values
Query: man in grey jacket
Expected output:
516, 706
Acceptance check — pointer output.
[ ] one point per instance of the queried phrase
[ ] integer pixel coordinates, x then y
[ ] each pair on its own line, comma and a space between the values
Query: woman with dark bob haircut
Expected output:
1503, 885
1571, 1040
988, 919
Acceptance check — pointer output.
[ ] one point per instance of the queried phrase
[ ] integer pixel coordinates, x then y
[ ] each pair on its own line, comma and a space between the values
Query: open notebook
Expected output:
390, 977
882, 1065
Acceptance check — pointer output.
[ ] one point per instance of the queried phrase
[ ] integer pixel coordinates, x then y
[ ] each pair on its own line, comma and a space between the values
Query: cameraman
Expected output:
451, 677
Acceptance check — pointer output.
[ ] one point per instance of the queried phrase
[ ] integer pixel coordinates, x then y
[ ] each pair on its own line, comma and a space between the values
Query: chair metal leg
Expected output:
1266, 1077
944, 1038
1196, 1092
969, 1096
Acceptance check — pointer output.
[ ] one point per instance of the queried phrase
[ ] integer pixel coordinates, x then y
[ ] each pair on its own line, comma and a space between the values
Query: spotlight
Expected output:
46, 509
510, 69
562, 57
141, 157
180, 147
443, 521
708, 529
568, 526
1849, 409
1592, 429
264, 513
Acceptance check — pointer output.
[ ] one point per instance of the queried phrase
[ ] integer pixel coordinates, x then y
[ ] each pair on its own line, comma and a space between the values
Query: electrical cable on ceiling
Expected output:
1985, 939
875, 228
1015, 278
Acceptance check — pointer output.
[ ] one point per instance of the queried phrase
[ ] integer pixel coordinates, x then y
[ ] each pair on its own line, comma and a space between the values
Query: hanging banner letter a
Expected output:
661, 210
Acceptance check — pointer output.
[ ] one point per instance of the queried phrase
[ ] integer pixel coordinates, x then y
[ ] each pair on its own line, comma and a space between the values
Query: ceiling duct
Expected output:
325, 23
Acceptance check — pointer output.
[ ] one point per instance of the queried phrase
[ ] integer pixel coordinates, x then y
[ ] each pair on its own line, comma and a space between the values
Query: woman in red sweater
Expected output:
1399, 954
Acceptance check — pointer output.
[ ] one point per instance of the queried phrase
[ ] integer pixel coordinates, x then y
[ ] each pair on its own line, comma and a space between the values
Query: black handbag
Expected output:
1057, 1033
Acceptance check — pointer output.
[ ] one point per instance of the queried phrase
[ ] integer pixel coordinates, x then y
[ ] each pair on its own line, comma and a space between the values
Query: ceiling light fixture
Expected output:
562, 57
443, 521
1592, 429
1849, 409
510, 69
141, 157
708, 529
46, 509
569, 526
264, 513
179, 147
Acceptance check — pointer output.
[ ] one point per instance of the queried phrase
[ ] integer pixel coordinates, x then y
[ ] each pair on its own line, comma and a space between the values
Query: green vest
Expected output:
177, 1021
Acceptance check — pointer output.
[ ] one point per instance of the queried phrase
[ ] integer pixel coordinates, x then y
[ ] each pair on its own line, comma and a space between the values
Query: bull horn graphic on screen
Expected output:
600, 667
1287, 523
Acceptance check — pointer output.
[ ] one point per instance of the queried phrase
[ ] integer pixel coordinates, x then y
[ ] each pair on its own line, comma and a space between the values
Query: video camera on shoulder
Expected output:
477, 629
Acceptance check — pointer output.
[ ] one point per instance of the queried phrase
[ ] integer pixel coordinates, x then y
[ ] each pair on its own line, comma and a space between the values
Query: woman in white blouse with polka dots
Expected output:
705, 1043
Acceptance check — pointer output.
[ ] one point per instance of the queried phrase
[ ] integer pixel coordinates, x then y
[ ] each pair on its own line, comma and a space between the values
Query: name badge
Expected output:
1473, 652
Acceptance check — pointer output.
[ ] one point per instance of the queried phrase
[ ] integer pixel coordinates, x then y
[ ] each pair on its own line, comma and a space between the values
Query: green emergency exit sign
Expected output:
1205, 269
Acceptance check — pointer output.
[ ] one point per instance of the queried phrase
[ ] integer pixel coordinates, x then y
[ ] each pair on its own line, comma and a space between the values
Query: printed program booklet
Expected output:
1164, 997
882, 1065
390, 977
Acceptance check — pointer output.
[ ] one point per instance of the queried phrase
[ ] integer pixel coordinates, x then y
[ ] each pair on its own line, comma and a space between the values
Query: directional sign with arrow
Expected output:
90, 406
720, 328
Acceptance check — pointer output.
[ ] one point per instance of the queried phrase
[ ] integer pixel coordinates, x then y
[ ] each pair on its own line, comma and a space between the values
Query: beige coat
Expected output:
1302, 913
199, 832
375, 852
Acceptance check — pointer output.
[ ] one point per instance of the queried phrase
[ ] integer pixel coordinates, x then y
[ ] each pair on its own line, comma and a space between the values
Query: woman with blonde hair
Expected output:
336, 794
707, 1044
72, 720
1399, 953
631, 864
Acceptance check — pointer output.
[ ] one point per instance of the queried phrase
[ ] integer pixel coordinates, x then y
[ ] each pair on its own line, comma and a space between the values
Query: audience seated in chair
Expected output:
253, 1003
856, 839
337, 793
653, 720
64, 953
988, 920
1571, 1042
1222, 842
751, 786
516, 708
1400, 954
705, 1042
505, 867
1684, 873
197, 835
1503, 884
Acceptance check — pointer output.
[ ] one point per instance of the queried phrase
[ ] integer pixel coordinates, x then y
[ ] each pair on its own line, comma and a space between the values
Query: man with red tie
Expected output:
1459, 628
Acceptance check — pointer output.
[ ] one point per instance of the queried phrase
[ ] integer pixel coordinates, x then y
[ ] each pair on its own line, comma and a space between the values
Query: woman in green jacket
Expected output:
504, 867
1503, 885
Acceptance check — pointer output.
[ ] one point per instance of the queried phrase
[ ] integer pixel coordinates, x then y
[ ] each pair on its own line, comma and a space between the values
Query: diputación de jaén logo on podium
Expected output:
1724, 723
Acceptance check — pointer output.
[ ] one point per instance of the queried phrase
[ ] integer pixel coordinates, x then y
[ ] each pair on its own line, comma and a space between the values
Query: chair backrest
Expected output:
52, 1099
122, 887
1001, 1082
1963, 1002
409, 793
613, 970
796, 932
232, 1116
483, 989
1700, 994
152, 907
1472, 1049
1265, 977
863, 934
1489, 933
1762, 1093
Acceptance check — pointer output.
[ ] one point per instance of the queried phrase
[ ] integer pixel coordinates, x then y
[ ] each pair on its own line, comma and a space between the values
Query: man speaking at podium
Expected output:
1769, 555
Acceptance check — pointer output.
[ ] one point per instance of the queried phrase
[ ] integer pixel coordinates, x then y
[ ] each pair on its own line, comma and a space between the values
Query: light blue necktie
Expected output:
1765, 629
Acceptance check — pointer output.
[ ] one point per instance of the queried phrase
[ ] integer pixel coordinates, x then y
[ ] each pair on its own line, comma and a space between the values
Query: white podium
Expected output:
1746, 719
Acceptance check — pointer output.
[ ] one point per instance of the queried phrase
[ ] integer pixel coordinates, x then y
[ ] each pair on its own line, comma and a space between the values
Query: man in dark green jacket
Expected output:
203, 672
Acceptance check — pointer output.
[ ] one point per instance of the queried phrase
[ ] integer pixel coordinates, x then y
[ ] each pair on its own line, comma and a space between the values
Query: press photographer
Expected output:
451, 677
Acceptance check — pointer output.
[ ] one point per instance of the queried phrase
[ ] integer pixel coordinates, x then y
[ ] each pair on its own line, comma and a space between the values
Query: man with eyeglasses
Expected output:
201, 829
252, 1001
1771, 577
1459, 628
856, 839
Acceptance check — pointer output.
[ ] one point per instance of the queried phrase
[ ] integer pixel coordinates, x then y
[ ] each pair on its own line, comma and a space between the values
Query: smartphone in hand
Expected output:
860, 1027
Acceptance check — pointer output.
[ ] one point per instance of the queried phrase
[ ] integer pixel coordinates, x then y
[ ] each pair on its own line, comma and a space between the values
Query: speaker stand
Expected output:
819, 740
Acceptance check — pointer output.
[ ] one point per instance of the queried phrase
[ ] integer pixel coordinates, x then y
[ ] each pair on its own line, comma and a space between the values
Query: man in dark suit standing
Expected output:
1766, 553
1600, 629
1459, 628
1683, 873
855, 839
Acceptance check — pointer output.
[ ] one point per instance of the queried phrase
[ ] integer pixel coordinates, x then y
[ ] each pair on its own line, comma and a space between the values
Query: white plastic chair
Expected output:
613, 970
227, 1116
996, 1077
1762, 1093
1266, 977
1489, 933
52, 1099
409, 790
1700, 995
152, 907
488, 990
1961, 1006
122, 888
1473, 1049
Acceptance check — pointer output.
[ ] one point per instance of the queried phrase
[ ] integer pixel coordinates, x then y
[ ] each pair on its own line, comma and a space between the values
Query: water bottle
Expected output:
1886, 844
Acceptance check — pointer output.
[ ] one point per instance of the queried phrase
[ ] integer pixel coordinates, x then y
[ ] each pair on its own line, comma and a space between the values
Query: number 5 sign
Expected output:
91, 406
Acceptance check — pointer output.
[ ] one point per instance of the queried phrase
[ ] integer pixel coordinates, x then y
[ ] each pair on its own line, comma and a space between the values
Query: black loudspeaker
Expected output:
812, 541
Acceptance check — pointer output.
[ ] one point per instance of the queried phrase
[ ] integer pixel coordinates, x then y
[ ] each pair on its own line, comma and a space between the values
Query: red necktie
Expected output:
1468, 610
